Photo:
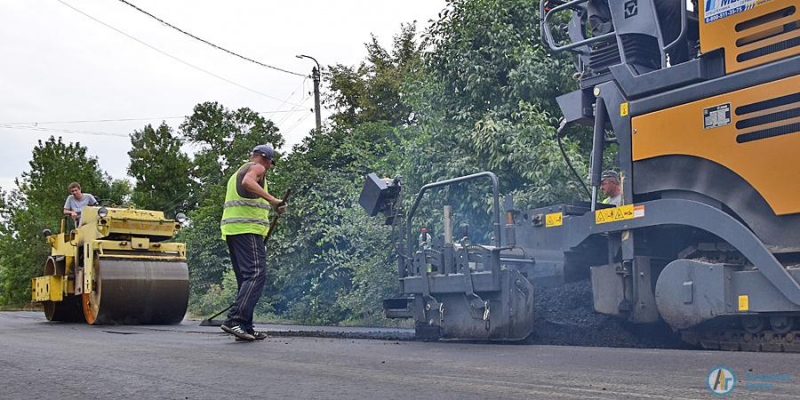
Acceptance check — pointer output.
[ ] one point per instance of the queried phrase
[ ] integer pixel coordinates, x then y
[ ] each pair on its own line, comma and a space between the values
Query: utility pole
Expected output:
315, 76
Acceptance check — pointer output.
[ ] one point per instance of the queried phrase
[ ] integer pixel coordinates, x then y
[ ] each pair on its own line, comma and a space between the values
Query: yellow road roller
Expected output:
117, 266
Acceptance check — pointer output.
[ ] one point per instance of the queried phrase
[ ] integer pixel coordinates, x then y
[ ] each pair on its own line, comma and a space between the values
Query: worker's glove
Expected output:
281, 208
278, 205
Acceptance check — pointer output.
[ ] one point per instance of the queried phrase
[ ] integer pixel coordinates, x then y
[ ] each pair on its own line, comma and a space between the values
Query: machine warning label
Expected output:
719, 9
714, 117
554, 219
744, 302
620, 213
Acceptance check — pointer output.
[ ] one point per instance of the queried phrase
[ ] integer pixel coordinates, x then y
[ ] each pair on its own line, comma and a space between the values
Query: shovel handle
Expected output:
274, 221
217, 314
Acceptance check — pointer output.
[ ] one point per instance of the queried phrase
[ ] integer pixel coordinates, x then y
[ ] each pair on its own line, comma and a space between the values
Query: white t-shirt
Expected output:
73, 204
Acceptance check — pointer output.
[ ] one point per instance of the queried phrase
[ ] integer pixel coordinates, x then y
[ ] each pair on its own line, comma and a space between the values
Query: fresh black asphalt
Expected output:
41, 360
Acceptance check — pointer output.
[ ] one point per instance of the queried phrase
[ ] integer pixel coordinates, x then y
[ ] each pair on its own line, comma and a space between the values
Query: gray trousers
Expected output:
249, 259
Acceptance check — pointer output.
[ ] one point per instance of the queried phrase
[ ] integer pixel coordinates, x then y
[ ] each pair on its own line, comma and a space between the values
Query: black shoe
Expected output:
257, 334
237, 331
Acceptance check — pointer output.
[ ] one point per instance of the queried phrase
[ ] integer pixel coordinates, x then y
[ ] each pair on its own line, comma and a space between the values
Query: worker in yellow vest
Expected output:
611, 186
244, 224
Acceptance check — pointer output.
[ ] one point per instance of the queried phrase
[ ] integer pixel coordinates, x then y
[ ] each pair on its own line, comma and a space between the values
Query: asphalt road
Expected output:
40, 360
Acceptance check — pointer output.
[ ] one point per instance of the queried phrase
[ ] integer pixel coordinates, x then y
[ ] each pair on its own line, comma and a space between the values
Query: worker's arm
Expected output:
250, 183
68, 210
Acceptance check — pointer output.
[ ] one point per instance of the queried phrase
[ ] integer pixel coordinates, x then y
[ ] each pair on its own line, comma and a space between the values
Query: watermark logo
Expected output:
764, 381
721, 380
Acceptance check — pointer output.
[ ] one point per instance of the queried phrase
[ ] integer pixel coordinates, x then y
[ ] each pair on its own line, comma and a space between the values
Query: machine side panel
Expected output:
763, 32
781, 234
754, 132
694, 214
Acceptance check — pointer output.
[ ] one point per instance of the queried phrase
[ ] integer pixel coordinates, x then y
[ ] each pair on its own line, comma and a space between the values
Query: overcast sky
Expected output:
61, 66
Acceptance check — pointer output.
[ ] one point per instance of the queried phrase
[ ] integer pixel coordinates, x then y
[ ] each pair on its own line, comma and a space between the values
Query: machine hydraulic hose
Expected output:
597, 148
563, 125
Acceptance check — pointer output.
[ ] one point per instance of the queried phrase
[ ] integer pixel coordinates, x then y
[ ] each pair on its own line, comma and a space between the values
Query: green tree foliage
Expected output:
488, 101
334, 262
217, 296
487, 56
160, 169
479, 94
37, 204
373, 91
225, 138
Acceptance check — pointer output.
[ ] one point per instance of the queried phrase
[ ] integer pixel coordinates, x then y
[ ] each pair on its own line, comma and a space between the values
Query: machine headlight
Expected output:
102, 212
180, 217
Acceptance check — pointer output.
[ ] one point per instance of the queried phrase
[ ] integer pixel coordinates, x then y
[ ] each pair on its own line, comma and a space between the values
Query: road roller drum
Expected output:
132, 292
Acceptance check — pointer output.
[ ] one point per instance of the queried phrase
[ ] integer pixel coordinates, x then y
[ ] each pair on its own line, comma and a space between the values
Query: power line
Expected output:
92, 121
209, 43
171, 56
302, 84
29, 127
302, 101
42, 129
122, 119
287, 116
296, 124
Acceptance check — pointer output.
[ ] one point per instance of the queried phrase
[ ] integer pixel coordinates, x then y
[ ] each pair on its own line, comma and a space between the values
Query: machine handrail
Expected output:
682, 34
448, 182
548, 34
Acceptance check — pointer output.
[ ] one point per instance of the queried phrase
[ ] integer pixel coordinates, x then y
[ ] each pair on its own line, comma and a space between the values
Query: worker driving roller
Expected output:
76, 201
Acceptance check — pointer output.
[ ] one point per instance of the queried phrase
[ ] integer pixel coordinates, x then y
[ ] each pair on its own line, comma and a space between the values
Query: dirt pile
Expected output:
565, 316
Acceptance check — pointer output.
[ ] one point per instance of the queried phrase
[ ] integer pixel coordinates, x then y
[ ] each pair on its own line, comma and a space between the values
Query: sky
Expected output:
60, 68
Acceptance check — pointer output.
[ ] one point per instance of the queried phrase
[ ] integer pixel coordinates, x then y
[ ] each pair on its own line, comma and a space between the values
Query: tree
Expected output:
335, 262
478, 94
487, 102
37, 204
374, 90
226, 139
162, 171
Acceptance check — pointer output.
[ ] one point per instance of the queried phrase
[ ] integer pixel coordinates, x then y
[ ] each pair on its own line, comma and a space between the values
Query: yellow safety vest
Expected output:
244, 212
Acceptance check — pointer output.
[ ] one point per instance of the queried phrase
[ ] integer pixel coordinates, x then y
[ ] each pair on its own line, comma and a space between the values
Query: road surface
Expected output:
40, 360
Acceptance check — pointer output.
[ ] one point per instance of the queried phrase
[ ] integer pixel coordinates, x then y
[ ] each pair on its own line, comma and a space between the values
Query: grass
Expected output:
258, 318
278, 320
21, 307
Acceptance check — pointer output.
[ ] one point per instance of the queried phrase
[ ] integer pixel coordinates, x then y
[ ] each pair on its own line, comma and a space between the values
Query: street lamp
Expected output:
315, 75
